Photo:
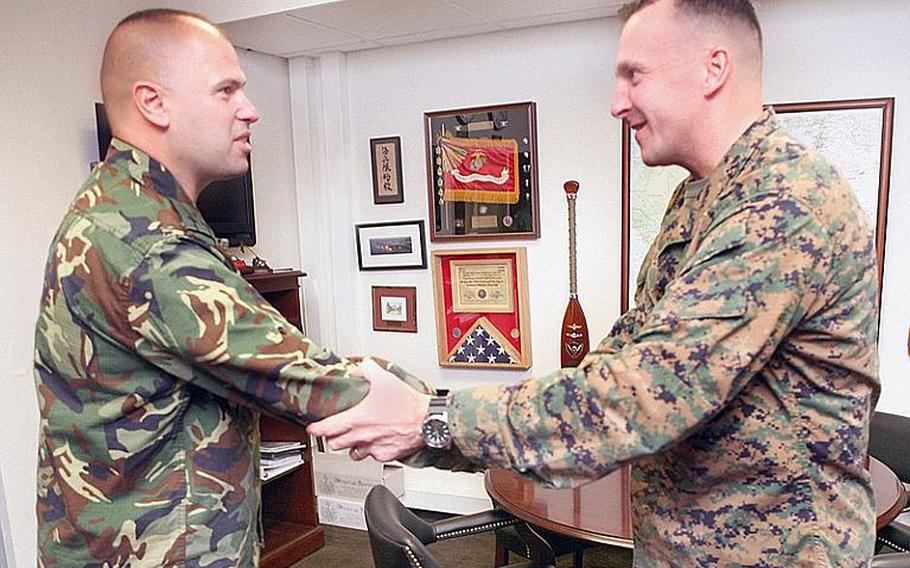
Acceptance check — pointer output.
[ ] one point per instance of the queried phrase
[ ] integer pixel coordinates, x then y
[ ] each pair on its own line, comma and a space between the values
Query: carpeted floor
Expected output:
348, 548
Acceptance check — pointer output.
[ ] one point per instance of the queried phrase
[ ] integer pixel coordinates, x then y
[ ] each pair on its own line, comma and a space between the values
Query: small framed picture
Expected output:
395, 308
396, 245
385, 155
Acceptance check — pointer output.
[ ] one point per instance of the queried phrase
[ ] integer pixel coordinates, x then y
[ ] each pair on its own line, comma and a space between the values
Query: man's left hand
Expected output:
384, 425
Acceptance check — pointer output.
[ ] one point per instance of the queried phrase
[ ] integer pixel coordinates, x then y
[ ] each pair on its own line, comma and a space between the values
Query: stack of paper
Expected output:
276, 458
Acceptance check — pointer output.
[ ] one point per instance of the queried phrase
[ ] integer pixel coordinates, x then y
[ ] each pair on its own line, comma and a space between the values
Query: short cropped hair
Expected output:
738, 11
164, 16
154, 22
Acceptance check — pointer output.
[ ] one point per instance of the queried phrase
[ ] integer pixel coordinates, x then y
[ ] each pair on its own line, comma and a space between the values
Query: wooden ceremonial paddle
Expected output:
574, 338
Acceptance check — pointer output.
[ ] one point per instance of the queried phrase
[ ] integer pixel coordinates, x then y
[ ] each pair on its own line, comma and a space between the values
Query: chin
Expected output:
229, 174
647, 152
240, 167
655, 159
651, 160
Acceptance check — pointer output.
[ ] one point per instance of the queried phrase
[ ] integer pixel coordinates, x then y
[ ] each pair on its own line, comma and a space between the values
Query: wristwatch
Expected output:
435, 428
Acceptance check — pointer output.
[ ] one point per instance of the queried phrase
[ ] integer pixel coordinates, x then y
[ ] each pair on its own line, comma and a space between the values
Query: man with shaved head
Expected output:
741, 384
172, 84
153, 357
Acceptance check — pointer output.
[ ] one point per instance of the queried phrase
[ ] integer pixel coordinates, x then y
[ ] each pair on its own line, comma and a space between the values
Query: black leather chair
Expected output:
895, 536
900, 560
508, 540
888, 438
399, 538
888, 443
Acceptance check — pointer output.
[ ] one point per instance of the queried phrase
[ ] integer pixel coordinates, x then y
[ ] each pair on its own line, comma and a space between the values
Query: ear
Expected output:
149, 101
717, 70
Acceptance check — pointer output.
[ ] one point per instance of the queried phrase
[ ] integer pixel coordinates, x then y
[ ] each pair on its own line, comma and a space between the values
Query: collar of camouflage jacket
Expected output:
156, 181
747, 149
696, 196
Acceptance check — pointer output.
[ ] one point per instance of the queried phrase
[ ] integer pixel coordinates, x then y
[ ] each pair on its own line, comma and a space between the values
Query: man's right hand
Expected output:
385, 424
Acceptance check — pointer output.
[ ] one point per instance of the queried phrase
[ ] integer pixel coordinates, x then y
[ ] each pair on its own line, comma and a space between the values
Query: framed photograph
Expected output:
482, 172
854, 135
481, 298
395, 245
385, 156
395, 308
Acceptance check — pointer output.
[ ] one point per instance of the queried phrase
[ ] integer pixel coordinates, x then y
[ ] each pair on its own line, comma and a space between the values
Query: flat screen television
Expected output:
227, 206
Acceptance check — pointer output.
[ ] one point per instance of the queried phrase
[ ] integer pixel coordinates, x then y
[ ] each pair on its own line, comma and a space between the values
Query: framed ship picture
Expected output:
394, 245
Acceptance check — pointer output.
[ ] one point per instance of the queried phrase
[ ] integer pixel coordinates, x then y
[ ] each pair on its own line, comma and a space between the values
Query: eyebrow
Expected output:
233, 82
625, 68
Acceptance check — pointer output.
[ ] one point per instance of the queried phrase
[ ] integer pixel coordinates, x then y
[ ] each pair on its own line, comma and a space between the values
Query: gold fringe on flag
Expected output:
501, 187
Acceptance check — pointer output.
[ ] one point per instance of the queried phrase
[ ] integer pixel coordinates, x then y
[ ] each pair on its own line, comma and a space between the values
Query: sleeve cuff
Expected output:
479, 420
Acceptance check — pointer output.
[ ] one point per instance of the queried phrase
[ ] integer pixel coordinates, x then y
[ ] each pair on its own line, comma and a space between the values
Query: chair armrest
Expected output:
896, 536
896, 560
472, 524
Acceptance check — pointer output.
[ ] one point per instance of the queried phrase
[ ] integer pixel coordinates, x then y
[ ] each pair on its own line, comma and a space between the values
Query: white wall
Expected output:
815, 49
274, 190
50, 53
6, 541
566, 70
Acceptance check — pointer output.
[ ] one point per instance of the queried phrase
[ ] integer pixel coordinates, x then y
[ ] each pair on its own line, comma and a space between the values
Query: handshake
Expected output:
386, 423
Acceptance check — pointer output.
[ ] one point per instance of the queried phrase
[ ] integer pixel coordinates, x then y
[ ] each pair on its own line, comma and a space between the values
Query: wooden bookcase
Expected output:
289, 518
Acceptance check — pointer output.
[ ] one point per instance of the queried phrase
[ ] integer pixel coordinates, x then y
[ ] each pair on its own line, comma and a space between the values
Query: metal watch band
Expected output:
438, 405
435, 428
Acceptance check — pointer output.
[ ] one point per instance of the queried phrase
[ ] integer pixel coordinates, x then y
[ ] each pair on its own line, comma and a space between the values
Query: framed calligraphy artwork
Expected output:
481, 298
385, 156
482, 172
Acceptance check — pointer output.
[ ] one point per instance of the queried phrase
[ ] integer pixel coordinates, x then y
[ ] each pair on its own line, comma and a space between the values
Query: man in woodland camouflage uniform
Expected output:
153, 357
741, 385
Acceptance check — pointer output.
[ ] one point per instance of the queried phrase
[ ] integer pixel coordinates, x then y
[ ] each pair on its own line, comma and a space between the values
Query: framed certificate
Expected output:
481, 298
482, 286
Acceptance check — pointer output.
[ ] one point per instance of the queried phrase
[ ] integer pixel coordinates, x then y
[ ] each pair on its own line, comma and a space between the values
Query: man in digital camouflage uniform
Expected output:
153, 357
741, 385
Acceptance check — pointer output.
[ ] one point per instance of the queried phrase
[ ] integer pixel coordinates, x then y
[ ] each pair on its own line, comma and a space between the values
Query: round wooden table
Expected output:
600, 511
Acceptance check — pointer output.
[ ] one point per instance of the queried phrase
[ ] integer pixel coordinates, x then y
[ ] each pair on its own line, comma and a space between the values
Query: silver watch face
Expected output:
436, 433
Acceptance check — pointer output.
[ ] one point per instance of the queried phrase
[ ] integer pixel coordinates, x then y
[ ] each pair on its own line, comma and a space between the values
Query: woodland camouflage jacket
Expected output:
153, 360
740, 386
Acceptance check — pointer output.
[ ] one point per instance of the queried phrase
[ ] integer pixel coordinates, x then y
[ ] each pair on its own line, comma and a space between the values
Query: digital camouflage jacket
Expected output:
153, 360
740, 387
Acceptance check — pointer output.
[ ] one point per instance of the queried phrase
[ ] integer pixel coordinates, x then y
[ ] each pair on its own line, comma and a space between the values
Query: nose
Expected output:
247, 111
620, 105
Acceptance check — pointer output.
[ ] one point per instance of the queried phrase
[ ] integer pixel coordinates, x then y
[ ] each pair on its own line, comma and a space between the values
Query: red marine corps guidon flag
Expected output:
476, 169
